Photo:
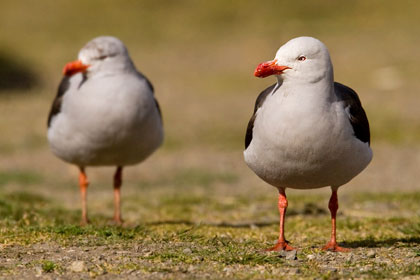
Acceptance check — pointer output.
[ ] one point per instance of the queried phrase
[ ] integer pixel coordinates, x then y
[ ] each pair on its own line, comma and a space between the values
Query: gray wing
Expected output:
159, 111
258, 103
357, 115
153, 90
56, 105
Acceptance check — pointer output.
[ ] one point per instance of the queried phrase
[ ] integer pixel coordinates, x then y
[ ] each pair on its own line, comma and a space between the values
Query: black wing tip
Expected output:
158, 109
56, 105
358, 117
149, 83
258, 103
343, 88
249, 131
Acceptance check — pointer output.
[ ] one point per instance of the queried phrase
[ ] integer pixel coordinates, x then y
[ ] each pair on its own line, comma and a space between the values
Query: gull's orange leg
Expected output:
117, 195
83, 183
333, 206
282, 243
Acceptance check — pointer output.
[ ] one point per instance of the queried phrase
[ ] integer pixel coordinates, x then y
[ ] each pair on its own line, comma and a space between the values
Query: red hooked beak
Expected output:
74, 67
269, 68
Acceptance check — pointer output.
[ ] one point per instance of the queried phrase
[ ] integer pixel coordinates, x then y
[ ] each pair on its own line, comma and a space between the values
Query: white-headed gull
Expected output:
104, 114
307, 131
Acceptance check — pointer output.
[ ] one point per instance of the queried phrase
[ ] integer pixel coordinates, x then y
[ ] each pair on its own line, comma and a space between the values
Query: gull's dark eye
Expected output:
102, 57
302, 58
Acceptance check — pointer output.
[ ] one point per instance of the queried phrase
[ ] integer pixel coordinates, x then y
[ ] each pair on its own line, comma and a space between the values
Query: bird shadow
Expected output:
372, 243
309, 209
364, 243
220, 224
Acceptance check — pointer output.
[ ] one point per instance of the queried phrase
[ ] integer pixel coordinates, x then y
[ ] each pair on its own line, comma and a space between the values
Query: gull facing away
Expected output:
104, 114
307, 131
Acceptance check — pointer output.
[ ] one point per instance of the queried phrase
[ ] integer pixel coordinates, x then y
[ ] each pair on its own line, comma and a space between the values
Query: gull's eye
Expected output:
105, 56
302, 58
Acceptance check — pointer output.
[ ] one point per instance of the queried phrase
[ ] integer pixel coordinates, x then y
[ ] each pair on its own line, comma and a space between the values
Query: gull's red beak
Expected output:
74, 67
269, 68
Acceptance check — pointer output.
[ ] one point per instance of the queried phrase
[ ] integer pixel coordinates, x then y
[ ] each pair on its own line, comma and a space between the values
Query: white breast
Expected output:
304, 141
107, 121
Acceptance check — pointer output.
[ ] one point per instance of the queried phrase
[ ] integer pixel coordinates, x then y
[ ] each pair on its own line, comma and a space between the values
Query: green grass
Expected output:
19, 177
178, 243
48, 266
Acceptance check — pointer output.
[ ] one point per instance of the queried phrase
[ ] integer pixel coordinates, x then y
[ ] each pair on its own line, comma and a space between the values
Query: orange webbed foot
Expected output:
281, 246
333, 246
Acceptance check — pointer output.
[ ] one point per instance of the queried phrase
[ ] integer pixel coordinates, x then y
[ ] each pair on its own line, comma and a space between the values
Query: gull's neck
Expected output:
322, 89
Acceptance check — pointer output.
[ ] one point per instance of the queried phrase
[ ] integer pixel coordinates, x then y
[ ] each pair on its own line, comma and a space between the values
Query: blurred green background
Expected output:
200, 57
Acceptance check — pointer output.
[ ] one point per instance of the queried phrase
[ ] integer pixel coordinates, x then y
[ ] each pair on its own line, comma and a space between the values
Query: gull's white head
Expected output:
100, 55
303, 59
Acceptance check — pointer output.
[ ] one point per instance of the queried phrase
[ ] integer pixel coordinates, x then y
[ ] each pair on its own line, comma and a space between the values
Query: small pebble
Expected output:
38, 272
332, 269
187, 251
291, 255
199, 259
77, 266
148, 253
190, 268
412, 254
228, 270
310, 257
371, 254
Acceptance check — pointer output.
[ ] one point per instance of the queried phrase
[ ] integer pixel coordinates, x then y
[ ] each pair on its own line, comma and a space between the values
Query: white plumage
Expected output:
107, 121
303, 139
307, 131
105, 112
